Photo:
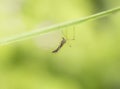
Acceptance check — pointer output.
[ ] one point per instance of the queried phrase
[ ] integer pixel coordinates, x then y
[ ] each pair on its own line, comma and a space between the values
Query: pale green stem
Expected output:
41, 31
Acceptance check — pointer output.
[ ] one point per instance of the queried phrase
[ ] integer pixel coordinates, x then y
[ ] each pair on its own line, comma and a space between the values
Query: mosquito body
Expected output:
64, 40
60, 46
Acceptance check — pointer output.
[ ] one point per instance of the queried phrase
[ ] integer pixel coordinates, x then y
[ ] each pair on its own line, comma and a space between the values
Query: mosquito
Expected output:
63, 41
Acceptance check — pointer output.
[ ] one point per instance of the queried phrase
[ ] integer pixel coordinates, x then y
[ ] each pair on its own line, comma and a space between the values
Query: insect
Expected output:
63, 41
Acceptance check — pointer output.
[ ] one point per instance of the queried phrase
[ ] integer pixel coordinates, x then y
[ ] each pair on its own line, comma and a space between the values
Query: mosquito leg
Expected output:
74, 33
73, 36
65, 33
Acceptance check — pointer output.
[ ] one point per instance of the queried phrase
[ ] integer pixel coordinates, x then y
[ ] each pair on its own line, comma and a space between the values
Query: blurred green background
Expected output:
92, 61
